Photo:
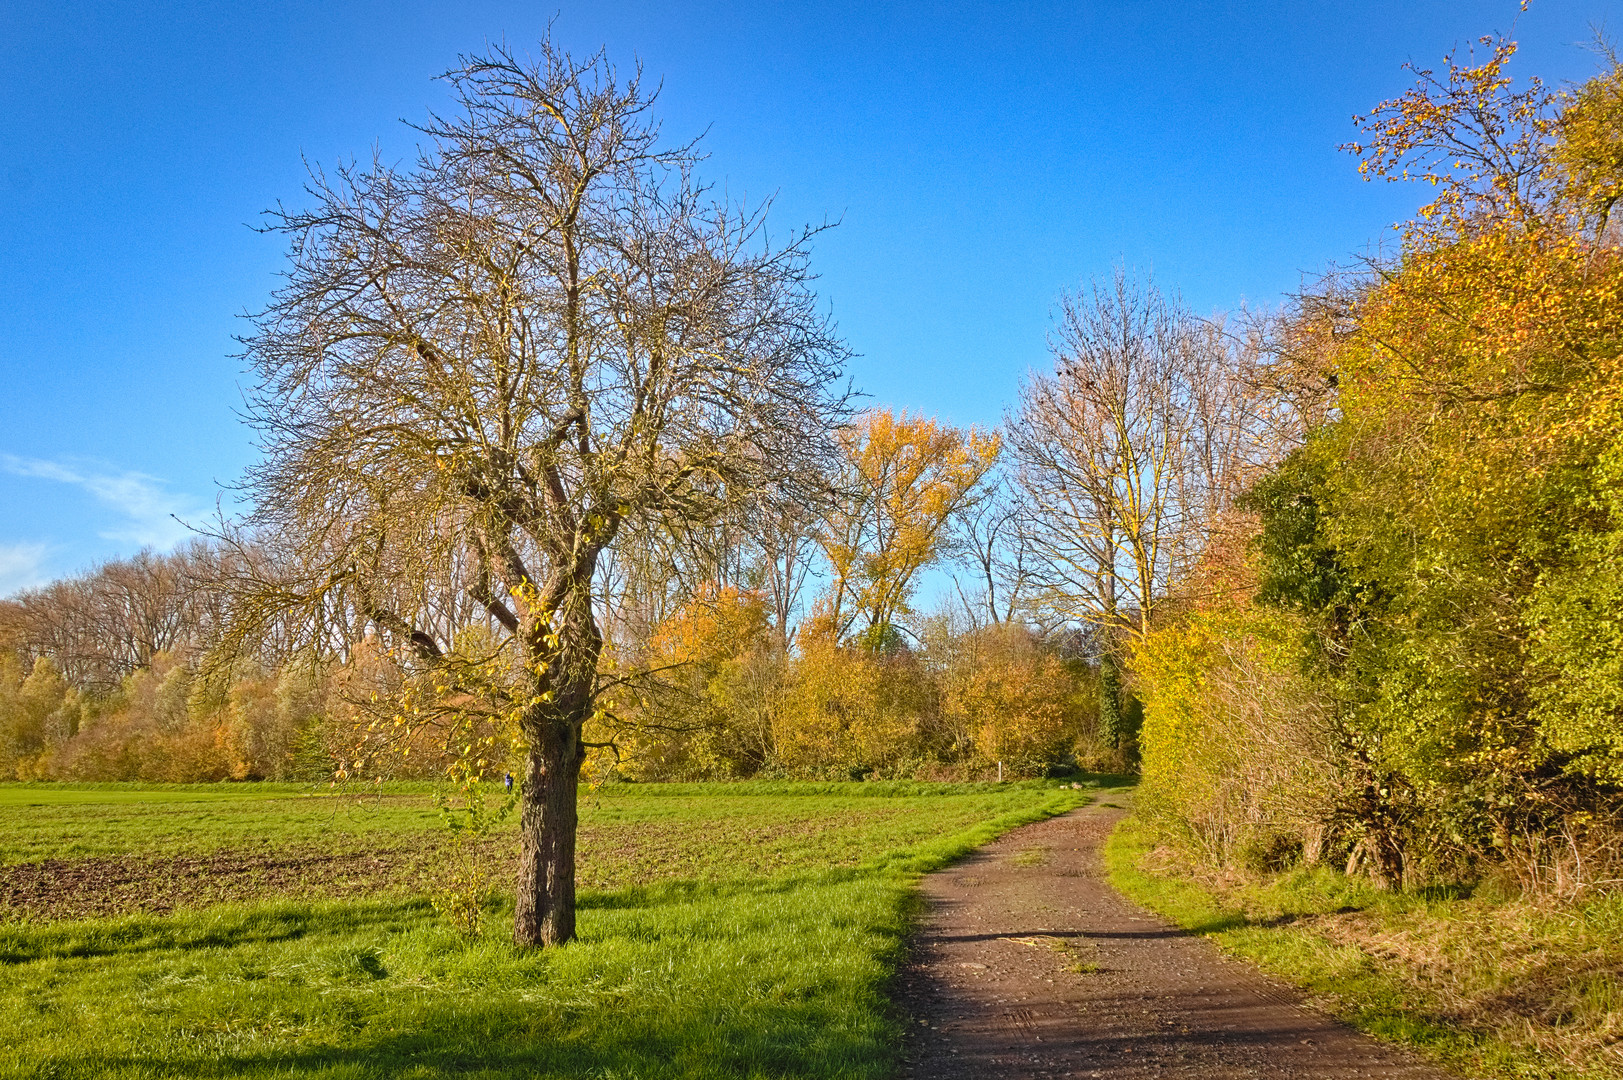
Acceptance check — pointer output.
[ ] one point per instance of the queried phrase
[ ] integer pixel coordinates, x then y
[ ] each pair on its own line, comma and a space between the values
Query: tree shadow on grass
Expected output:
788, 1039
224, 927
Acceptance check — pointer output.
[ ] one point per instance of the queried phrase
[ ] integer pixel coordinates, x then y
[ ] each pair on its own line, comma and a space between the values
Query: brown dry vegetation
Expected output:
1494, 980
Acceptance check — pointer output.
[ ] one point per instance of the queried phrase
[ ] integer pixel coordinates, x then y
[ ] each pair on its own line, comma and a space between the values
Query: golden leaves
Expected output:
903, 478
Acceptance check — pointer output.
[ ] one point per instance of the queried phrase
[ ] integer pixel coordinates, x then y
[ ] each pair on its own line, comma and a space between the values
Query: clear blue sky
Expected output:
981, 158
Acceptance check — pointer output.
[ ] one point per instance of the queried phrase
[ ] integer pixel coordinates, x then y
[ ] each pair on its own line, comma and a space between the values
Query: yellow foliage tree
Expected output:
851, 712
1242, 756
694, 722
1482, 399
901, 480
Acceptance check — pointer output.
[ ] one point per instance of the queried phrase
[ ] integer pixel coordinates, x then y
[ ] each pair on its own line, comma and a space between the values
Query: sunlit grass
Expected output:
759, 971
1492, 985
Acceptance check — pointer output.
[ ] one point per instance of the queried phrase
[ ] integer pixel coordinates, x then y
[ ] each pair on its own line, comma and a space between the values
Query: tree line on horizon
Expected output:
782, 647
559, 478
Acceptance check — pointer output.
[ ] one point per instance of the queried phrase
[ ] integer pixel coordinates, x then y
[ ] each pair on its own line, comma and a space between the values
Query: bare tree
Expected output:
990, 541
541, 340
103, 624
1101, 449
1132, 453
785, 539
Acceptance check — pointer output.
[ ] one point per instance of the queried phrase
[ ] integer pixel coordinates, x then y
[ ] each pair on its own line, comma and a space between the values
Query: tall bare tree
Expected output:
540, 340
785, 542
1132, 452
1101, 446
990, 542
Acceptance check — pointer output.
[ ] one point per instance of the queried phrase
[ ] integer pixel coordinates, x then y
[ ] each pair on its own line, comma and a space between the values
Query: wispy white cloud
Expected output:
22, 566
148, 509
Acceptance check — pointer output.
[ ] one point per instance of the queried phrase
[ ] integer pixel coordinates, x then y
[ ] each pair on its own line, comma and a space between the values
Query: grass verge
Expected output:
764, 974
1488, 985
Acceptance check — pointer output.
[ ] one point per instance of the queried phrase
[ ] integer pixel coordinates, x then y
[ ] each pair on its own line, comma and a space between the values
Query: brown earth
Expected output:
111, 885
1028, 964
611, 857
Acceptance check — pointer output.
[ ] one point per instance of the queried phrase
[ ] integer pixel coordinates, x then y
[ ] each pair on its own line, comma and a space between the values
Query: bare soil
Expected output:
1028, 964
113, 885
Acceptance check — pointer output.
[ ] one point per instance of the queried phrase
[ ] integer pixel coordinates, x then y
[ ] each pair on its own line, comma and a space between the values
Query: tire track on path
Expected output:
1028, 964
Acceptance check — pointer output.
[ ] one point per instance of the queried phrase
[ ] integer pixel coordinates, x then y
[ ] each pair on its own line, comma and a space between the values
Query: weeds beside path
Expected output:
1494, 986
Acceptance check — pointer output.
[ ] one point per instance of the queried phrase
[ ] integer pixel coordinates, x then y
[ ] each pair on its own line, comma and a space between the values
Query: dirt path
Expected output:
1030, 965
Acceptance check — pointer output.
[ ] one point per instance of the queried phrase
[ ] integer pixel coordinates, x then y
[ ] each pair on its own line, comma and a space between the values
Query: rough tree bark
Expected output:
545, 910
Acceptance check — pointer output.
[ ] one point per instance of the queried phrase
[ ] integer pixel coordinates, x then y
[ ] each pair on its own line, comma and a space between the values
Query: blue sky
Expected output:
979, 158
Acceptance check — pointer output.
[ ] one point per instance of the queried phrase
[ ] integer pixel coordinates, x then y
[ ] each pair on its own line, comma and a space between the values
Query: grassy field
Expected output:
1490, 984
726, 930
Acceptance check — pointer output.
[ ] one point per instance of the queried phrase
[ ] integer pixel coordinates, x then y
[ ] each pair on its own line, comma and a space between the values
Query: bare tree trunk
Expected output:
545, 911
565, 677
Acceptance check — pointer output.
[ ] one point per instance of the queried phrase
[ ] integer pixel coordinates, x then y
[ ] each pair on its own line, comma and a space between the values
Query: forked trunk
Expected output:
545, 911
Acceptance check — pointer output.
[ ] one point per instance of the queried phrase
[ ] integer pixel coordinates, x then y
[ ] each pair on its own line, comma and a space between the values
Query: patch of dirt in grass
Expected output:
127, 884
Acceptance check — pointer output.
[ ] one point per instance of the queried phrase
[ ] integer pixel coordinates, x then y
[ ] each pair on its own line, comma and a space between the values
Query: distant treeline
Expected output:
106, 676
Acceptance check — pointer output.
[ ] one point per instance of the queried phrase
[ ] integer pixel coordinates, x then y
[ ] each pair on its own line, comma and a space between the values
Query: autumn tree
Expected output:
848, 712
1128, 449
688, 721
1427, 676
901, 481
100, 625
1011, 699
1467, 491
539, 342
1118, 460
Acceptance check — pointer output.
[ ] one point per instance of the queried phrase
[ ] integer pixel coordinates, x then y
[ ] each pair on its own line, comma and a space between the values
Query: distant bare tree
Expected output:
785, 541
990, 541
1101, 446
1132, 452
540, 343
101, 625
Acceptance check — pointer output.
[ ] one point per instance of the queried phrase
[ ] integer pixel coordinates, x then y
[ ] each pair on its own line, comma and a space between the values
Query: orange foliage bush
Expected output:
1013, 702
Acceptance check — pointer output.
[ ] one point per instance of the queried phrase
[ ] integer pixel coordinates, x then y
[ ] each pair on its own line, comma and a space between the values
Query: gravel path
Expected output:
1029, 964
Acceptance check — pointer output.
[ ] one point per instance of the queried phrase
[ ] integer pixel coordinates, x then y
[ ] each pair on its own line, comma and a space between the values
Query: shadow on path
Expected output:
1029, 967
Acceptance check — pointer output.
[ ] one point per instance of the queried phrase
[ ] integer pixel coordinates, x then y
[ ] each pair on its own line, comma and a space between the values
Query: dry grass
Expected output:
1546, 976
1495, 981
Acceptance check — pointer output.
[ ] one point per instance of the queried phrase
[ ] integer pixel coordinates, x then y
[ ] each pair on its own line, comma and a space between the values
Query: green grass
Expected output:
769, 958
1488, 985
656, 823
